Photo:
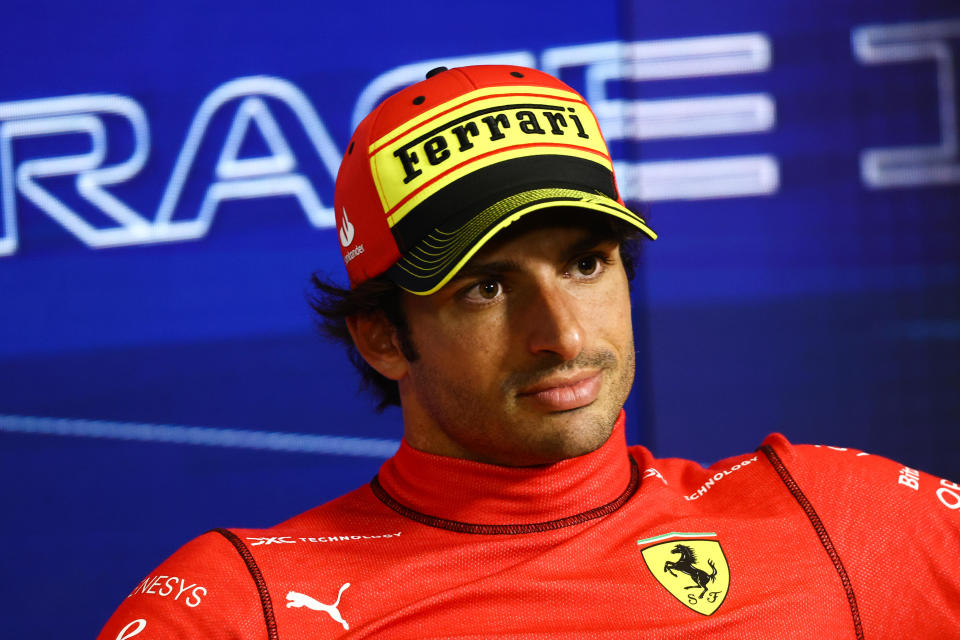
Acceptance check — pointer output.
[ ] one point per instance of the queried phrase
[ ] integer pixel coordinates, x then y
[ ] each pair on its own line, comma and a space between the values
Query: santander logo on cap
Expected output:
347, 234
346, 230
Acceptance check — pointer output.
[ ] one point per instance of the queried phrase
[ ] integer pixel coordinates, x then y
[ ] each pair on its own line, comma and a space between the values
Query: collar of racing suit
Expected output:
474, 497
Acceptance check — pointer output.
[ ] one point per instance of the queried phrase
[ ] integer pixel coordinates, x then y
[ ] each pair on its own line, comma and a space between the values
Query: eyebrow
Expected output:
487, 269
498, 267
593, 239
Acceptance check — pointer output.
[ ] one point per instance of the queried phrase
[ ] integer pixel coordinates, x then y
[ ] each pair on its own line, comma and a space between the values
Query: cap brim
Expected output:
437, 258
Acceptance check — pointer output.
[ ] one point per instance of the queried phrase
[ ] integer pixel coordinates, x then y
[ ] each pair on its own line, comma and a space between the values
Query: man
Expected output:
488, 256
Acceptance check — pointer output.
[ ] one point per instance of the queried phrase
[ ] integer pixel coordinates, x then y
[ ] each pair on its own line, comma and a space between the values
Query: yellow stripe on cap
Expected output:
460, 101
423, 159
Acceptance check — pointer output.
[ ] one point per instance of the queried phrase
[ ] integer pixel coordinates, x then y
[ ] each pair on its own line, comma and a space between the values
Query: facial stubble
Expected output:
510, 433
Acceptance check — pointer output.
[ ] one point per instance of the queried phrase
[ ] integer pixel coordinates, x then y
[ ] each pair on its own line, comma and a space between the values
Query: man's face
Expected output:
526, 357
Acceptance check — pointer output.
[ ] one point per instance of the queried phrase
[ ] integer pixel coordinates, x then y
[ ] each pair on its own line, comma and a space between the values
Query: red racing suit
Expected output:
789, 541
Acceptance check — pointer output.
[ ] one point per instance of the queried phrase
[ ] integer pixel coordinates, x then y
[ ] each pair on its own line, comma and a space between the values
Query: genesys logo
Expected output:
281, 540
174, 587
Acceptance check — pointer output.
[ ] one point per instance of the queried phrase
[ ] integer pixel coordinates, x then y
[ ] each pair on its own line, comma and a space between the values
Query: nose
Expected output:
554, 322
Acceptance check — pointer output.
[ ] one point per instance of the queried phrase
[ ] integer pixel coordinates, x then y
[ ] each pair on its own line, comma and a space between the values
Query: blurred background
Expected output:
166, 183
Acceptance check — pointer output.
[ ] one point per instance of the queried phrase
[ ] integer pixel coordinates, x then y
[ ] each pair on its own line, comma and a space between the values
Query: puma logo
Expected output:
295, 599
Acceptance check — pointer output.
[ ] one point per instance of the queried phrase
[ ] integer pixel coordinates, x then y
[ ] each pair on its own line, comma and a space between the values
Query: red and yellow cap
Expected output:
439, 168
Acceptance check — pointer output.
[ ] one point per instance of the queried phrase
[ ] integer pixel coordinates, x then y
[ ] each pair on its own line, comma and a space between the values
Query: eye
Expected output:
588, 265
484, 291
488, 289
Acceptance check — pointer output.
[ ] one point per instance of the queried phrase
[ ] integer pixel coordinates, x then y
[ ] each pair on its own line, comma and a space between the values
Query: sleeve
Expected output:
892, 531
204, 590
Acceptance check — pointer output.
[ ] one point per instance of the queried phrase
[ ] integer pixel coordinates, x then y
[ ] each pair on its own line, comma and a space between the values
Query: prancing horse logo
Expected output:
685, 565
698, 589
295, 599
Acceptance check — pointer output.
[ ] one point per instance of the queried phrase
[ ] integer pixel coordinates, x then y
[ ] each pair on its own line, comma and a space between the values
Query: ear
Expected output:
376, 340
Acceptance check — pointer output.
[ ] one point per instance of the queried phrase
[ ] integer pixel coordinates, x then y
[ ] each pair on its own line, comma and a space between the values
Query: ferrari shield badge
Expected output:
691, 566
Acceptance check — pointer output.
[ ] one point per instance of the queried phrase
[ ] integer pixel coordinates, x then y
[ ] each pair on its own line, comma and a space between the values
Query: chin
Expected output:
577, 435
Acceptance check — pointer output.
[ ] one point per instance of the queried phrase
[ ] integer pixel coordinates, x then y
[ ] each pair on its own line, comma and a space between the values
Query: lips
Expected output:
565, 394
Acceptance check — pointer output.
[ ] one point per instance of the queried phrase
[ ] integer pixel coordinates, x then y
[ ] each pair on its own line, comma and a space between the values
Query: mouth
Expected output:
564, 394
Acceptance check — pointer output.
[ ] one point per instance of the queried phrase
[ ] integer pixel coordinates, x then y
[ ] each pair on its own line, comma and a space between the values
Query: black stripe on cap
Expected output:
455, 204
438, 256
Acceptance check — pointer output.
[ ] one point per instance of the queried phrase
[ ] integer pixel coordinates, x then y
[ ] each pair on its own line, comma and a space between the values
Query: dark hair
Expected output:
333, 305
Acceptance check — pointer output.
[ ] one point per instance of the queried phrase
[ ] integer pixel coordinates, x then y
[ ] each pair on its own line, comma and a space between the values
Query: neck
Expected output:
455, 493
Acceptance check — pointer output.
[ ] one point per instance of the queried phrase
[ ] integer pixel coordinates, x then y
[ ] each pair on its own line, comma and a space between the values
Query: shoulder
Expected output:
843, 476
202, 590
356, 515
845, 484
355, 507
887, 527
722, 482
870, 506
217, 584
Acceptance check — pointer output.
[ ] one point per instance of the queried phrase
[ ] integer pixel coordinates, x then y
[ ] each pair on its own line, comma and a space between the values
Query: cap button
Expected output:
435, 71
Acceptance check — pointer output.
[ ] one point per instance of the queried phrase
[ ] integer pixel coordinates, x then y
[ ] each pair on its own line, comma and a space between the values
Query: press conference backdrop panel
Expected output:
166, 182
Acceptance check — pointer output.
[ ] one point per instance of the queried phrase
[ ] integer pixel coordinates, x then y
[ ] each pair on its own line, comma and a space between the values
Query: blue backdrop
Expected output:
166, 179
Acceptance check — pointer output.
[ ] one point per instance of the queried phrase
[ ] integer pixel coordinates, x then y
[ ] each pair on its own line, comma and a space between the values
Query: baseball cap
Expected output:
442, 166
